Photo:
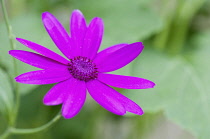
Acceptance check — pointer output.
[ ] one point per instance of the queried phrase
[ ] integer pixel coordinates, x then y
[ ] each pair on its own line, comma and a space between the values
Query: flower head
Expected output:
83, 69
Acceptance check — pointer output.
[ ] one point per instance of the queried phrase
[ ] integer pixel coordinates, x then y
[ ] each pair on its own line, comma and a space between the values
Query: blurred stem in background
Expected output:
12, 116
167, 14
178, 15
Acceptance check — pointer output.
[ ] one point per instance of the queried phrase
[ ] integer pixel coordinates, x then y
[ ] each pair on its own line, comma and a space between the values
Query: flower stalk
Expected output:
11, 36
38, 129
12, 130
13, 116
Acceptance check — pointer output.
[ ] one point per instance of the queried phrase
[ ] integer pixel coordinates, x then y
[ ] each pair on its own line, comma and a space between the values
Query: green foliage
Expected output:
182, 86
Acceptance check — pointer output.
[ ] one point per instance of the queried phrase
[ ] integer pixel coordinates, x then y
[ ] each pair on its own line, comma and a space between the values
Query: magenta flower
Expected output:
84, 69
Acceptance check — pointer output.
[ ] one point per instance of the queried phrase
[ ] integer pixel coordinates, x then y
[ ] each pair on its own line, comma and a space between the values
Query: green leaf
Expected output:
6, 94
182, 88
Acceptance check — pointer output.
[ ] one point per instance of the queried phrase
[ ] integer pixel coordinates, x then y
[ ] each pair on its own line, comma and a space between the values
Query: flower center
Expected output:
83, 68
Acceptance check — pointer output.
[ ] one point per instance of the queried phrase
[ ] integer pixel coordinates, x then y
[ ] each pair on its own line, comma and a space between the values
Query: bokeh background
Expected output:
176, 35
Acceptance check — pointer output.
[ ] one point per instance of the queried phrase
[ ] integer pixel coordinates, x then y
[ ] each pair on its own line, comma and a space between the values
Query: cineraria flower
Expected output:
83, 69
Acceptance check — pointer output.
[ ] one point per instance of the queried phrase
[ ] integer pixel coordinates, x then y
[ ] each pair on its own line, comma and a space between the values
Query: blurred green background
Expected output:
176, 35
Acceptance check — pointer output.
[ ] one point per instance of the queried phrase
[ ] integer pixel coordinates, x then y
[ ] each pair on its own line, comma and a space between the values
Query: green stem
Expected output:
13, 117
12, 45
38, 129
12, 130
168, 13
9, 27
181, 25
5, 134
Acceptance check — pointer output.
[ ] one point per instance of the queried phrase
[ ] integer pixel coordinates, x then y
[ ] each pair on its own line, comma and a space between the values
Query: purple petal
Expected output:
112, 100
103, 54
129, 105
119, 58
93, 38
42, 50
56, 95
57, 33
105, 96
36, 60
75, 98
126, 82
78, 30
43, 76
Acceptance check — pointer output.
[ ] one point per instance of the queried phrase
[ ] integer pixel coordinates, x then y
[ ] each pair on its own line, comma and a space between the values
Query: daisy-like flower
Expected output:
83, 69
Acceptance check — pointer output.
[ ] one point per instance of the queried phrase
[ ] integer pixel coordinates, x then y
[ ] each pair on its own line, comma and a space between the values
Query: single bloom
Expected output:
84, 69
